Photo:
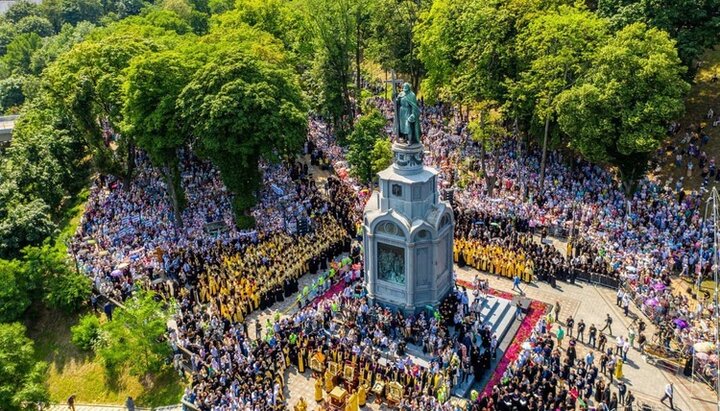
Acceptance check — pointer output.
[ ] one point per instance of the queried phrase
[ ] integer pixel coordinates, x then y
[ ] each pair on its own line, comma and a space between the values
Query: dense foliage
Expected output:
135, 338
21, 377
369, 129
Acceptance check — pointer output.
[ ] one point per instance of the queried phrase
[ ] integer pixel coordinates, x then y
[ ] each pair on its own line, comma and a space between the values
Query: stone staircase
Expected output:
500, 313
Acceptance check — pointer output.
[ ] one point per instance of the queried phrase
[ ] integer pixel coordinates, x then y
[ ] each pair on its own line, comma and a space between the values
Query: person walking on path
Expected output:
130, 404
668, 395
71, 402
608, 324
557, 311
516, 284
626, 304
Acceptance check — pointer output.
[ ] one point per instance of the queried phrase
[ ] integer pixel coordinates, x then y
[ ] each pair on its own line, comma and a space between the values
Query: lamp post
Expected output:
711, 211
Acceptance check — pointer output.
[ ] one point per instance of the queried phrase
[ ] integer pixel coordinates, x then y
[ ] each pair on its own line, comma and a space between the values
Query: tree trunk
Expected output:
358, 85
544, 155
127, 178
491, 180
172, 177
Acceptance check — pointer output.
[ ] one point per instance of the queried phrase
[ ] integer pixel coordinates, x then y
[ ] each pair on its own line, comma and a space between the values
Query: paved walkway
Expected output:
591, 304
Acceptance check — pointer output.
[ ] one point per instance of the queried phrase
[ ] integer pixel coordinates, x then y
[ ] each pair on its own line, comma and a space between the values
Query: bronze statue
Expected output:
407, 116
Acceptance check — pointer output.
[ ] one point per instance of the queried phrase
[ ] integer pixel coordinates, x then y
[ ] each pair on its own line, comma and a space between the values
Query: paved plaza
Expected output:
582, 301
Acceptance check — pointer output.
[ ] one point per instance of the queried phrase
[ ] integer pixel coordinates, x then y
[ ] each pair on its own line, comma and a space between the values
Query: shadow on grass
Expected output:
50, 330
166, 388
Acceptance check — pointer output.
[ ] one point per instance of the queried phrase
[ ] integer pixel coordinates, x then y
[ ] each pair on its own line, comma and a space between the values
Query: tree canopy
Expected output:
618, 111
694, 24
21, 377
240, 109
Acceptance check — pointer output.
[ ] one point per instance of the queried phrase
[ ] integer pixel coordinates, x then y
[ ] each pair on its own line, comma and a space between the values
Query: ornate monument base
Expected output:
408, 235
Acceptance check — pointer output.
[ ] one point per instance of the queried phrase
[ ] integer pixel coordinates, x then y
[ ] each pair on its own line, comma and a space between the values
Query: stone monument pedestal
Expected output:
408, 235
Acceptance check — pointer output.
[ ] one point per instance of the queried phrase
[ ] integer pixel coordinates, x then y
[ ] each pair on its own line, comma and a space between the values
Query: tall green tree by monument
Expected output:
554, 51
618, 111
238, 110
694, 24
368, 130
154, 82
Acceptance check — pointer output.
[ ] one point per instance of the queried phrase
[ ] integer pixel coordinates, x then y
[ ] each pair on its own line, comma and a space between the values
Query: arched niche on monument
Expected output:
445, 221
422, 235
389, 228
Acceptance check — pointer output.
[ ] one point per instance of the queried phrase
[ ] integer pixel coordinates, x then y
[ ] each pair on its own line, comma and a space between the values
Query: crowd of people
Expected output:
550, 375
235, 370
128, 237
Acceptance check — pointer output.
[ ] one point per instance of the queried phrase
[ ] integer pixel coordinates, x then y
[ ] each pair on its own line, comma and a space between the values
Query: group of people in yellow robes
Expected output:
493, 258
239, 284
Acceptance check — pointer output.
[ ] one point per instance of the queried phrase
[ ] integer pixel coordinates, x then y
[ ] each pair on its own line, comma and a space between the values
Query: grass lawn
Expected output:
72, 371
705, 94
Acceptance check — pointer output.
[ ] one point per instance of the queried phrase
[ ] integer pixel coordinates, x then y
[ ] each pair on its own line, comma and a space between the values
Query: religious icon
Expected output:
391, 263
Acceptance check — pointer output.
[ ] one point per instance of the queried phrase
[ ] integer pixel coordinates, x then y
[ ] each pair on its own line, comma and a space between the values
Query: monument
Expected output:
408, 229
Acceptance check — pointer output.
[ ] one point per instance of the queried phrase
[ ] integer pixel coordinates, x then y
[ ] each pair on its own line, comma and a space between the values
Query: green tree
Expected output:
468, 48
24, 224
7, 34
241, 109
75, 11
554, 50
62, 42
220, 6
333, 25
124, 8
21, 377
87, 332
489, 132
35, 24
382, 155
14, 298
88, 81
618, 111
281, 18
136, 336
44, 160
154, 83
368, 130
63, 288
11, 94
19, 10
694, 24
393, 44
19, 52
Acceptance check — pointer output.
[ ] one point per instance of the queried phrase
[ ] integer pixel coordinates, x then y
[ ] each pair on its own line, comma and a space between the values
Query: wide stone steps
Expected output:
500, 313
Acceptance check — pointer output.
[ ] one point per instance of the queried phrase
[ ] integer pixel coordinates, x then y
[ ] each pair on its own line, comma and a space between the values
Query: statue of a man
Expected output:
407, 111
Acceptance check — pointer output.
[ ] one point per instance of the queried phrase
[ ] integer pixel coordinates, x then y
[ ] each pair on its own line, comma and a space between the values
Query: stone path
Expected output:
591, 304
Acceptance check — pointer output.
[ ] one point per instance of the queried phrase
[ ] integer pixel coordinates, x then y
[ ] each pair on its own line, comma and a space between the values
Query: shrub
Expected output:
86, 332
